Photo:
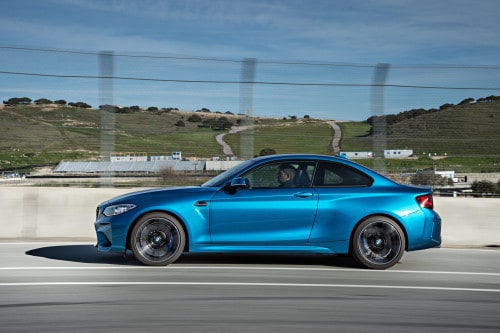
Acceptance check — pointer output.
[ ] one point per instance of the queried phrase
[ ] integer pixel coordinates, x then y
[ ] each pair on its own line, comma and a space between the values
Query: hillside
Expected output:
458, 130
32, 135
466, 134
461, 130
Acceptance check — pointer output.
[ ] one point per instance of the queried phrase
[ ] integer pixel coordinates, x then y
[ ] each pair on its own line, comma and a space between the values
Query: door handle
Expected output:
303, 194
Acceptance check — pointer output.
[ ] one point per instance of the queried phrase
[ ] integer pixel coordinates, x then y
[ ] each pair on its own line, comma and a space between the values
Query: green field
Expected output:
463, 130
35, 135
313, 137
463, 138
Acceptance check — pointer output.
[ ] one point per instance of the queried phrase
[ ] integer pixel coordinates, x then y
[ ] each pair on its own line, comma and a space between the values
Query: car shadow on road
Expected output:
267, 259
88, 254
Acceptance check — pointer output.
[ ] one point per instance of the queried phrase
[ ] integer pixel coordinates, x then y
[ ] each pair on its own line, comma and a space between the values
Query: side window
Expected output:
336, 174
281, 175
263, 177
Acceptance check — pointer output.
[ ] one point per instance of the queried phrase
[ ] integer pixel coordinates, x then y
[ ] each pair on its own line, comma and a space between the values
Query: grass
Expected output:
463, 130
463, 138
355, 136
467, 135
33, 135
314, 137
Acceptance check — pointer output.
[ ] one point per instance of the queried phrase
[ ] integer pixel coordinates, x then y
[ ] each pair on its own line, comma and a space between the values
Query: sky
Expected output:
331, 59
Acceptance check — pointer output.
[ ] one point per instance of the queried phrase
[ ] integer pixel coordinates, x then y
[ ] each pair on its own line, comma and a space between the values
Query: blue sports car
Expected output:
276, 203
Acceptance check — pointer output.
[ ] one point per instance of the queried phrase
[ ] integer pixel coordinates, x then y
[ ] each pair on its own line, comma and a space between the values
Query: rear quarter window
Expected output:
336, 174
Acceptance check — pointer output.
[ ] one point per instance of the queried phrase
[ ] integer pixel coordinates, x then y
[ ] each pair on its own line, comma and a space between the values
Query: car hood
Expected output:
166, 192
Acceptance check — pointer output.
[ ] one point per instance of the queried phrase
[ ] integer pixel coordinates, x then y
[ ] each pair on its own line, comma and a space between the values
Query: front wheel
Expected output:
378, 243
157, 239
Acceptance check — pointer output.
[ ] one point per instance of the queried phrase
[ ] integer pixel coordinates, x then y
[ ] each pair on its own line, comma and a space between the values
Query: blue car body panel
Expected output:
268, 217
311, 219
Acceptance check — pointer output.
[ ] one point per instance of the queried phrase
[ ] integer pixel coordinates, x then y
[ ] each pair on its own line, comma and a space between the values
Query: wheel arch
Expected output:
181, 221
397, 221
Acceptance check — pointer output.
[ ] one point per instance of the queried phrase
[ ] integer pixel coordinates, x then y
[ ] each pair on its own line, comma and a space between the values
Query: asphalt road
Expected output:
70, 287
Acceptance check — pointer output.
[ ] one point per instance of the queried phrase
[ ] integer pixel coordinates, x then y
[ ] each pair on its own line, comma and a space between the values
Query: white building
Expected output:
356, 154
129, 157
447, 174
177, 155
398, 153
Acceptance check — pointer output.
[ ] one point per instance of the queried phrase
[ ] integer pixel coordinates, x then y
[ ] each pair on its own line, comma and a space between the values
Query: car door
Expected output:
264, 213
345, 197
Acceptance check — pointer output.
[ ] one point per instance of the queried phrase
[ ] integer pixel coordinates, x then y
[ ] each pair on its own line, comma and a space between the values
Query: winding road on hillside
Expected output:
227, 150
337, 135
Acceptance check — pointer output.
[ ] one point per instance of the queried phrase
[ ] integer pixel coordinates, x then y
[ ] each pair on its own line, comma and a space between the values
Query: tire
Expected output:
378, 243
157, 239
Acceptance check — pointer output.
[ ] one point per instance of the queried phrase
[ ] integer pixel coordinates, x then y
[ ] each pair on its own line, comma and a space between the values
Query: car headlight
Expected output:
117, 209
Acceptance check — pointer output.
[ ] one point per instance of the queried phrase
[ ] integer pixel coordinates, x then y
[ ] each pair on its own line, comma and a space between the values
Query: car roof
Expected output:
307, 157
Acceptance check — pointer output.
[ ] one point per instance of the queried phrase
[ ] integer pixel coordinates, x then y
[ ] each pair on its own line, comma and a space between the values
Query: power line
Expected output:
185, 57
262, 61
252, 82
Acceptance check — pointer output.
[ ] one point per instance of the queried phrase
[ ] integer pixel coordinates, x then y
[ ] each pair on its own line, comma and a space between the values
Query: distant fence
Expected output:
144, 167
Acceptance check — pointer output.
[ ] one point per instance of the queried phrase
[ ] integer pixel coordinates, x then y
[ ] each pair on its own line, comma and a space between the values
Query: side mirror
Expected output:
235, 184
238, 182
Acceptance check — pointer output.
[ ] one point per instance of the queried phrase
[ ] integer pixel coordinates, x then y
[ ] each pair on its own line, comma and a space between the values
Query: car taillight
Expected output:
425, 201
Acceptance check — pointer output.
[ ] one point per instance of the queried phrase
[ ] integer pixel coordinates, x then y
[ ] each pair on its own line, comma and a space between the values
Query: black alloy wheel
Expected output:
157, 239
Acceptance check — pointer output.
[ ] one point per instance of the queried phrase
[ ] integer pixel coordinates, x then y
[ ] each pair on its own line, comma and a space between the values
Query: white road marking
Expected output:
245, 284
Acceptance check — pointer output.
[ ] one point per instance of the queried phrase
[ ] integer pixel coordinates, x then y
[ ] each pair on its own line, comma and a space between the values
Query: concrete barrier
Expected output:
51, 212
469, 221
30, 213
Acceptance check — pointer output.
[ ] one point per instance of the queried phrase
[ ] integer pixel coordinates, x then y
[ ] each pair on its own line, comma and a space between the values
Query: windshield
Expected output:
224, 177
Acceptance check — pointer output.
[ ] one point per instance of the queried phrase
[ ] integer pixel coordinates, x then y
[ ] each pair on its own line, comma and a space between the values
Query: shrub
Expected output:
430, 179
482, 187
195, 118
43, 101
267, 151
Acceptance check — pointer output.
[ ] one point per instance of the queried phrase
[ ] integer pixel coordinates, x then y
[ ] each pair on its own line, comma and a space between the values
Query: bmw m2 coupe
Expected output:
277, 203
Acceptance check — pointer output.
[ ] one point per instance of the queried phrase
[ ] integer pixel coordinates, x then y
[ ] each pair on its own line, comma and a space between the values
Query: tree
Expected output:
108, 108
168, 174
180, 123
466, 101
267, 151
43, 101
18, 101
222, 123
195, 118
80, 105
430, 178
204, 110
60, 102
445, 106
483, 187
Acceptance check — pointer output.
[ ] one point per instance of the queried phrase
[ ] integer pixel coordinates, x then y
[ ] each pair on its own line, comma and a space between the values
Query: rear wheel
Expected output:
157, 239
378, 243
